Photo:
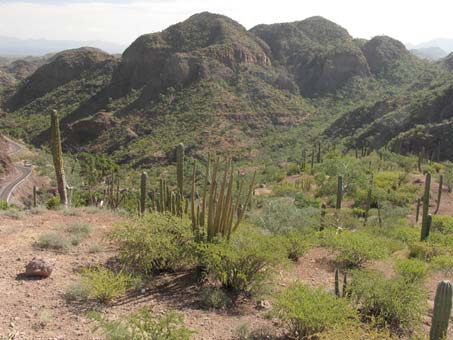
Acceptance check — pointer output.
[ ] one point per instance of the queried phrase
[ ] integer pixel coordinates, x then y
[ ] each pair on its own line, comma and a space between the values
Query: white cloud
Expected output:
410, 21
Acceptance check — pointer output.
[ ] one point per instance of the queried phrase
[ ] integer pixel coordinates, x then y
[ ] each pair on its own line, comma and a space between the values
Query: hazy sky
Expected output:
411, 21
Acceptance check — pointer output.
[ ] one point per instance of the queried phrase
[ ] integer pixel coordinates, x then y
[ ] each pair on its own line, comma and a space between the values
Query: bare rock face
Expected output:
40, 267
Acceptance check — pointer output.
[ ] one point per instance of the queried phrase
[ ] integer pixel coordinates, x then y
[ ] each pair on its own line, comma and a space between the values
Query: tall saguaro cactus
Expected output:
339, 192
442, 311
180, 167
57, 155
143, 184
425, 219
439, 193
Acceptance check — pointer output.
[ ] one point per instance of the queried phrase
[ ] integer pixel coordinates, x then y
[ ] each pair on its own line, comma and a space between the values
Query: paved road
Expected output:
23, 172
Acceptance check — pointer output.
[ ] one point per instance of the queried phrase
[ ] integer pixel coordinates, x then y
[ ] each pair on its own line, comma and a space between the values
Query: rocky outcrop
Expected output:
61, 69
382, 51
88, 129
320, 55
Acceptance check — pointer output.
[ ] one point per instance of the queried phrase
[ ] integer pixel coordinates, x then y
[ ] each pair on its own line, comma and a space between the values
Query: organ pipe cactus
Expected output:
339, 192
143, 185
425, 219
442, 311
439, 193
221, 203
57, 155
180, 167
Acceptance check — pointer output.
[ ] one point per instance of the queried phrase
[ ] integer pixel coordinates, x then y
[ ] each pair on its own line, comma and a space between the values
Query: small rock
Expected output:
40, 267
263, 304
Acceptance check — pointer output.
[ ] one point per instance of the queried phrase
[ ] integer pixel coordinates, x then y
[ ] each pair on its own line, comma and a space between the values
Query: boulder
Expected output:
40, 267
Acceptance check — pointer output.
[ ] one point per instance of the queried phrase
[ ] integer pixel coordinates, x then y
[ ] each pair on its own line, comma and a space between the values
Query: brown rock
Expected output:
40, 267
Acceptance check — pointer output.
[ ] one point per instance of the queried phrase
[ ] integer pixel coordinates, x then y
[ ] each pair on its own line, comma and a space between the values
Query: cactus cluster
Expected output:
214, 214
57, 155
441, 311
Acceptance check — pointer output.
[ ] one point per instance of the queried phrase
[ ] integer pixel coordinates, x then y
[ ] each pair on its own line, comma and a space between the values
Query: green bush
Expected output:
143, 325
217, 298
357, 248
412, 270
425, 250
104, 285
306, 311
3, 205
442, 224
443, 263
53, 203
394, 302
296, 245
242, 263
156, 242
304, 201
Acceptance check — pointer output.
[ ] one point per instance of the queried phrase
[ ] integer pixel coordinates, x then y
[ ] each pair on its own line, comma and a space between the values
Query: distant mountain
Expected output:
444, 44
39, 47
430, 53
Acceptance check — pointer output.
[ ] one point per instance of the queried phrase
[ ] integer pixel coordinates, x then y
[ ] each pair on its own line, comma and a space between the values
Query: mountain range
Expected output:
210, 83
38, 47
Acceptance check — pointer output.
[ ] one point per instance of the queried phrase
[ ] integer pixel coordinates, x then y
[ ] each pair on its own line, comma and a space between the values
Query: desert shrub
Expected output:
3, 205
143, 325
76, 292
79, 228
13, 213
95, 248
38, 210
53, 203
213, 297
295, 245
281, 216
354, 330
104, 285
53, 241
156, 242
357, 248
442, 224
306, 311
92, 210
394, 302
425, 250
304, 201
242, 263
412, 270
70, 212
443, 263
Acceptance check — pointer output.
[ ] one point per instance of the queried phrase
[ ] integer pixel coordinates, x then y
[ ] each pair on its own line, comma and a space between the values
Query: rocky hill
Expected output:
209, 82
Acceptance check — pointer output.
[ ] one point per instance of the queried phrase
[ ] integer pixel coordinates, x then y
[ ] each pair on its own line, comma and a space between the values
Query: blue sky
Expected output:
122, 21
